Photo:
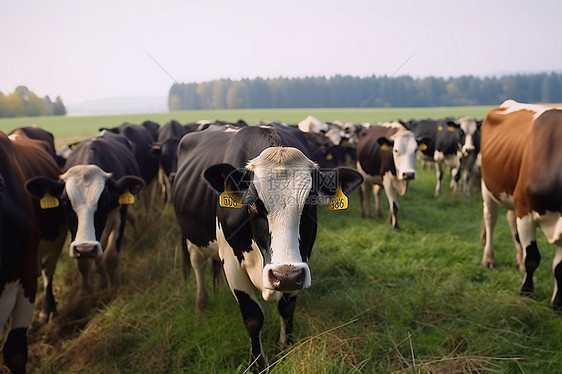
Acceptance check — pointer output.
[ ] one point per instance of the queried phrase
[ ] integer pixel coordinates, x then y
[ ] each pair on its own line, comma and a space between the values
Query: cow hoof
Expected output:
528, 293
488, 264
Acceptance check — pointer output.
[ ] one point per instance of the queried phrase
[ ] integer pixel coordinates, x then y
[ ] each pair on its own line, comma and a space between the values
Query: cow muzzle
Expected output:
287, 277
410, 175
85, 249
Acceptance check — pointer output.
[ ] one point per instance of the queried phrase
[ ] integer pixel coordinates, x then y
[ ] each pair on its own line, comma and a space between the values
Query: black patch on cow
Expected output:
260, 229
253, 318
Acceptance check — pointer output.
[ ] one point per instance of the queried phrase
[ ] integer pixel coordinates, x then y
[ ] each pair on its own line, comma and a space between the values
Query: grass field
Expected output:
77, 126
381, 301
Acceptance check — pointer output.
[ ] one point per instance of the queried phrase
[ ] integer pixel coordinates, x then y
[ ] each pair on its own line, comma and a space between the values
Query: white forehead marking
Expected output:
282, 177
84, 185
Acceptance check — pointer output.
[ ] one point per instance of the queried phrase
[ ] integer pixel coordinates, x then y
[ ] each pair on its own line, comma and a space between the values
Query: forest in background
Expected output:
349, 91
25, 103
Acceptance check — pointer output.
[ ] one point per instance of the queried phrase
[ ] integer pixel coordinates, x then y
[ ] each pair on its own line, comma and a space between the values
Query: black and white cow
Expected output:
100, 180
444, 143
165, 150
262, 226
386, 157
470, 165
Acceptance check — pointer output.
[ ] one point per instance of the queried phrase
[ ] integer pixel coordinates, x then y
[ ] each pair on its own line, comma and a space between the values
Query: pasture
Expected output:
413, 301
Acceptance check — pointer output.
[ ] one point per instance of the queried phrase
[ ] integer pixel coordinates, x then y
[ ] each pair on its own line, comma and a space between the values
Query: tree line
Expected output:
373, 91
25, 103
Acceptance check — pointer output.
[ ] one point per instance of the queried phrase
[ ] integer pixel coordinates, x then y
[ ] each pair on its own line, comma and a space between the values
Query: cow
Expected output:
262, 226
141, 140
50, 251
469, 162
521, 158
101, 178
26, 232
165, 151
444, 140
386, 157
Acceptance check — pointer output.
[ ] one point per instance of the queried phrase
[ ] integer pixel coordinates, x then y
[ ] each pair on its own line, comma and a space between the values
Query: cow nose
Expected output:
85, 250
287, 278
409, 175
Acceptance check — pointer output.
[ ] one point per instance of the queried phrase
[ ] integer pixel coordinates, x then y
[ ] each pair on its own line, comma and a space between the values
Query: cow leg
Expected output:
365, 196
557, 270
286, 307
392, 198
116, 225
438, 177
455, 177
15, 346
511, 221
377, 196
527, 235
199, 264
489, 219
49, 253
84, 267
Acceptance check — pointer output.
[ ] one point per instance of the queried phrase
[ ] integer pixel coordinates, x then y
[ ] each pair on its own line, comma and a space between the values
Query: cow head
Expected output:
404, 147
469, 126
88, 196
280, 190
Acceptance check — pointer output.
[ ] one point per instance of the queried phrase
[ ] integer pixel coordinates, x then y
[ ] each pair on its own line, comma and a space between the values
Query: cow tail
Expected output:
217, 272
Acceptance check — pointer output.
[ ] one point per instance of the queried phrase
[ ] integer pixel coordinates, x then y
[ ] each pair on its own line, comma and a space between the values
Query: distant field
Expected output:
65, 127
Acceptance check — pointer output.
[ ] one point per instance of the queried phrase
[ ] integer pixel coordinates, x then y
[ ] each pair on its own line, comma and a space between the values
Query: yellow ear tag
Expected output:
440, 128
385, 147
127, 198
338, 201
229, 199
329, 156
48, 201
422, 147
451, 128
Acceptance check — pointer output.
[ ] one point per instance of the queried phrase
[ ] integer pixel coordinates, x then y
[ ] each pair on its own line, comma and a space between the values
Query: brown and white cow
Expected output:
386, 157
521, 158
25, 231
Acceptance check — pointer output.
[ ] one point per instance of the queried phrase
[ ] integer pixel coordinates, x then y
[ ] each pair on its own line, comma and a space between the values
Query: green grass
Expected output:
70, 126
413, 301
381, 301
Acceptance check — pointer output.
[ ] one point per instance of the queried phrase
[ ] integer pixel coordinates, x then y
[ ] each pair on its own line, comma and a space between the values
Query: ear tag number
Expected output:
338, 201
48, 201
229, 199
127, 198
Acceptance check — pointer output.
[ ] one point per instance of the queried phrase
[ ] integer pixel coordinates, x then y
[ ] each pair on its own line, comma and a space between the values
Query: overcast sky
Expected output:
83, 50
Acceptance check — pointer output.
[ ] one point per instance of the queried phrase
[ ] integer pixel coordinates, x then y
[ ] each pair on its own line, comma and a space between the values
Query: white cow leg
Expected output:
199, 265
511, 221
377, 195
438, 177
489, 219
392, 198
557, 271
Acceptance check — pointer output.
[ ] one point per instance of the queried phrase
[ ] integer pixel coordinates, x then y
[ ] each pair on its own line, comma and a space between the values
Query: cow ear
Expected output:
423, 143
156, 150
220, 175
385, 144
38, 186
345, 178
129, 182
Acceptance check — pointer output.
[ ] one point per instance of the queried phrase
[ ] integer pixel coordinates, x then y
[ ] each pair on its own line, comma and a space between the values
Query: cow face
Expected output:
468, 126
280, 190
404, 147
89, 196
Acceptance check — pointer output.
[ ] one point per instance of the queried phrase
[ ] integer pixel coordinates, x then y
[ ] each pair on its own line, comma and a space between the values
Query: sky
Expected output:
87, 50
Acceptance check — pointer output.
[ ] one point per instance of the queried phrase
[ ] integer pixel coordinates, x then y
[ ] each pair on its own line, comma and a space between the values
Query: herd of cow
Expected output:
245, 199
